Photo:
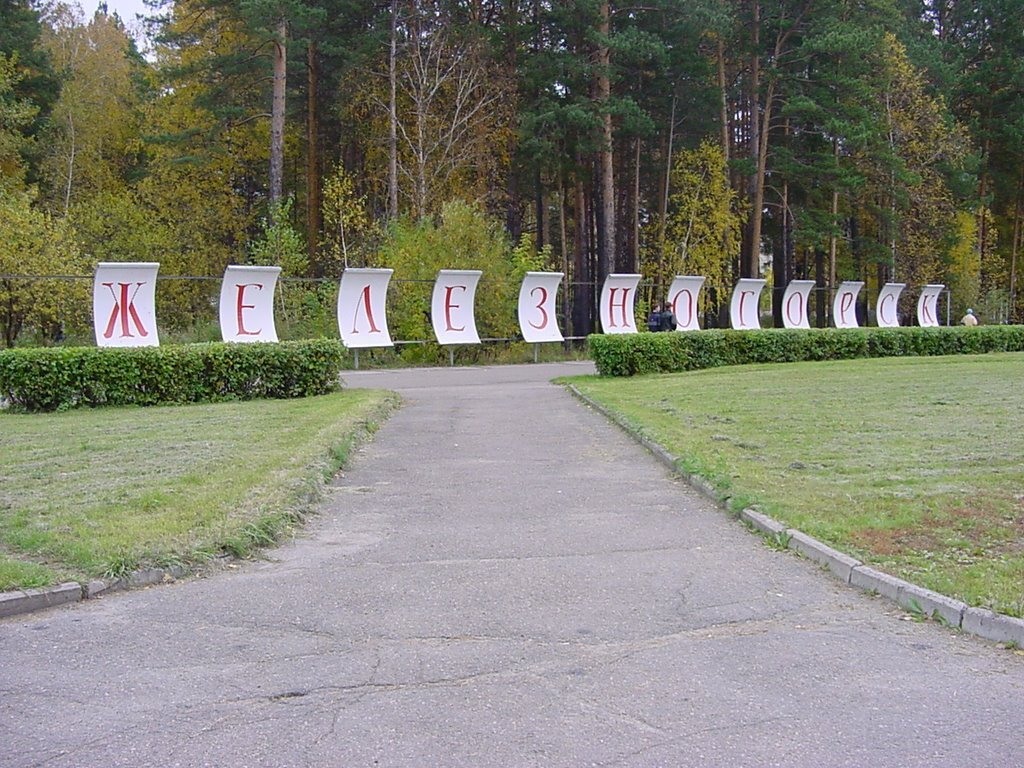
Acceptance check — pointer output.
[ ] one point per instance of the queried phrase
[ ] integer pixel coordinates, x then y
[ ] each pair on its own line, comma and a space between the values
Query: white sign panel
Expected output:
451, 309
795, 303
618, 303
743, 309
844, 305
247, 304
682, 300
124, 304
886, 308
537, 318
928, 306
362, 313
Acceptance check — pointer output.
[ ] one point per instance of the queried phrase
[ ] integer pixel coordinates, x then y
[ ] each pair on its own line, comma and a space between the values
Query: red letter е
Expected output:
448, 307
239, 306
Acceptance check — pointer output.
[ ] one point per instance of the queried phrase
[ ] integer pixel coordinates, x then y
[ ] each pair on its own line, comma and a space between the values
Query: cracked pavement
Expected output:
502, 578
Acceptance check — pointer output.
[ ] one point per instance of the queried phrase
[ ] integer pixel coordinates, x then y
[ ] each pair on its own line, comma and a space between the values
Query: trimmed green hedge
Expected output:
58, 378
640, 353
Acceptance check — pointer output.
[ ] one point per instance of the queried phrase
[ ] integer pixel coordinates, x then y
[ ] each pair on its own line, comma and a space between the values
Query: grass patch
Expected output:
910, 464
18, 574
102, 492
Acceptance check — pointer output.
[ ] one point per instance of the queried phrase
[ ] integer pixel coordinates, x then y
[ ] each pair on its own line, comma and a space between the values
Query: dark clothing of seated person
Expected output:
661, 320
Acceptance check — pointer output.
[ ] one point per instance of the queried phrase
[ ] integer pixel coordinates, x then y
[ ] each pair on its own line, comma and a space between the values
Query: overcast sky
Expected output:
126, 9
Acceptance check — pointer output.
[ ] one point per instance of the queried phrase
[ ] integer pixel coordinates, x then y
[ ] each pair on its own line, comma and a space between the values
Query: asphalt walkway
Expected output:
502, 578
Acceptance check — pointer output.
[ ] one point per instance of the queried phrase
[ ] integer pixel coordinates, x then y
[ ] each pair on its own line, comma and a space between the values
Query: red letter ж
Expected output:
124, 308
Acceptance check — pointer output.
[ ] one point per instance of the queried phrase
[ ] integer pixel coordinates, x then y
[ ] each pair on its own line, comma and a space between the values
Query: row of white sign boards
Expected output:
124, 305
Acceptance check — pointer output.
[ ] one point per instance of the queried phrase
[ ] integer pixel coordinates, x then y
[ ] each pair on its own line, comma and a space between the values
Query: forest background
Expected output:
877, 140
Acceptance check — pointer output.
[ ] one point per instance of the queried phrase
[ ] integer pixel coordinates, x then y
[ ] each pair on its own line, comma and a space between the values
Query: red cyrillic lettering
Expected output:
926, 310
844, 305
125, 309
689, 307
540, 306
448, 306
365, 296
881, 308
239, 306
743, 297
622, 307
800, 309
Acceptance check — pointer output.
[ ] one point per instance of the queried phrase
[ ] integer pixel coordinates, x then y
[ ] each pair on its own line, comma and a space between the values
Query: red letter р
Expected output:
844, 305
881, 308
365, 297
239, 306
689, 306
621, 305
800, 309
124, 308
540, 306
743, 297
448, 306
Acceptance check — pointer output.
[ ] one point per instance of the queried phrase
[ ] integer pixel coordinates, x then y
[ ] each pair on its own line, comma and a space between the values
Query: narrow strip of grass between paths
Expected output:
94, 493
913, 465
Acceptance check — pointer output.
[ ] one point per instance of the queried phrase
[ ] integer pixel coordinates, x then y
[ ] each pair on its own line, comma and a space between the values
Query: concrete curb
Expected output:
932, 605
23, 601
29, 600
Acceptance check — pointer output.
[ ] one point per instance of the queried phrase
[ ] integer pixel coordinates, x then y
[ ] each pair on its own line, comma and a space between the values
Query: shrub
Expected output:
49, 379
640, 353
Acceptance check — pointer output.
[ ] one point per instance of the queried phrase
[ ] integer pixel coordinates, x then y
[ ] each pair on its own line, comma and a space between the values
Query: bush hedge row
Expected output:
640, 353
59, 378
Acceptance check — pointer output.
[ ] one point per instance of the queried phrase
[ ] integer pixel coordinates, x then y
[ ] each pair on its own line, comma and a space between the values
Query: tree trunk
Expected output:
755, 183
819, 287
277, 112
393, 115
635, 228
1018, 237
606, 159
313, 204
564, 247
781, 261
538, 202
833, 244
723, 102
660, 275
71, 163
584, 290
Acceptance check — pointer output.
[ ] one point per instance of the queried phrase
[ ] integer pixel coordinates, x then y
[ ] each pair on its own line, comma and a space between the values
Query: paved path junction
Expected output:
502, 578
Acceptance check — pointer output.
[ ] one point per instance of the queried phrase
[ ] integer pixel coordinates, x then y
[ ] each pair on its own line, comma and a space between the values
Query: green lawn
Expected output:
915, 465
101, 492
